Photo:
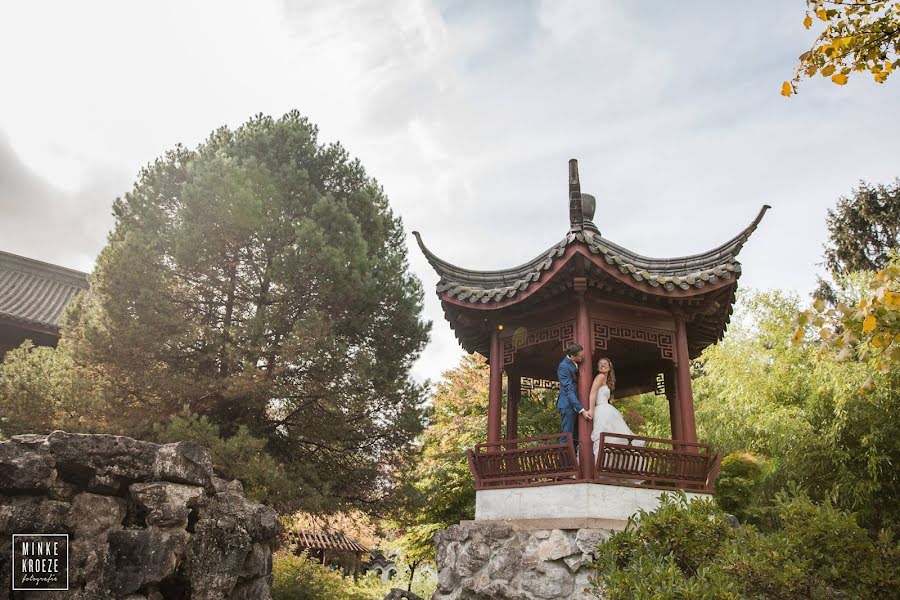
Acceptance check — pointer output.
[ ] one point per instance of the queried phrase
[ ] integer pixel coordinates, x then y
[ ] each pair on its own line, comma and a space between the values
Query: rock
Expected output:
140, 557
219, 548
234, 486
258, 589
472, 558
587, 540
557, 546
145, 521
574, 562
494, 562
260, 521
258, 562
105, 464
167, 504
32, 515
91, 515
25, 469
398, 594
184, 462
551, 580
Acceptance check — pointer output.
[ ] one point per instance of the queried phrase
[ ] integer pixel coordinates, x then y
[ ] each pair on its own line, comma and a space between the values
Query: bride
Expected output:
606, 417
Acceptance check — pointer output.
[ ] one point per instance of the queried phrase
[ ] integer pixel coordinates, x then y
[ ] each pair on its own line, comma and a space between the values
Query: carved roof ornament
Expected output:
581, 206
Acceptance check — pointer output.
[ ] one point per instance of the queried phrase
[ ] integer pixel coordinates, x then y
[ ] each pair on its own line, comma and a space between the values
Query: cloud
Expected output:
466, 112
42, 221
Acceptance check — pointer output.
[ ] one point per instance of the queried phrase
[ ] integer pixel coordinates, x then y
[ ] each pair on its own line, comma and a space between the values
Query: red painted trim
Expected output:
513, 393
684, 393
585, 379
495, 389
580, 248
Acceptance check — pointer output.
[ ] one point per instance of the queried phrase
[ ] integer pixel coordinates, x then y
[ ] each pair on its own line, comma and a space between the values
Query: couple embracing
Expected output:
602, 414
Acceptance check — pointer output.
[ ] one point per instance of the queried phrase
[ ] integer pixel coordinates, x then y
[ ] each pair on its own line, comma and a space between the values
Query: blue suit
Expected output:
567, 402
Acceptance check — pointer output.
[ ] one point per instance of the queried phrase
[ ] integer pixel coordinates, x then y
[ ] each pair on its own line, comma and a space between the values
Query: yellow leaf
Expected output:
827, 71
869, 324
880, 77
807, 22
839, 79
786, 89
822, 14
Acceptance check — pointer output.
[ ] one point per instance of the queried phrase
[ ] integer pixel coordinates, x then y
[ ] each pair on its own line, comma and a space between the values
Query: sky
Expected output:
466, 112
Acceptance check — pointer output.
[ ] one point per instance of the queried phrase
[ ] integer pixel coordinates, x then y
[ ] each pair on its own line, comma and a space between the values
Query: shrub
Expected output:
687, 551
737, 484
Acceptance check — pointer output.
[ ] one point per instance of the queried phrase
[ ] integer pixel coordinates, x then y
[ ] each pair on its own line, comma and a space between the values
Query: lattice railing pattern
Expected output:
523, 462
660, 462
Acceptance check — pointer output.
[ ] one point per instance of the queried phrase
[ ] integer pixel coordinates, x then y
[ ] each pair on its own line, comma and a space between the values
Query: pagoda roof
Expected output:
655, 275
34, 294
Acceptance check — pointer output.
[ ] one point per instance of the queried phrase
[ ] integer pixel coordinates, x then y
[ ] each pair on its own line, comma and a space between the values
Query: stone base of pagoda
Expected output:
573, 505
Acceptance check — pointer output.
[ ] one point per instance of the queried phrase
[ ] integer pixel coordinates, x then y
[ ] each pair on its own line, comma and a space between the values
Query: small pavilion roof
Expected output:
659, 275
316, 539
34, 293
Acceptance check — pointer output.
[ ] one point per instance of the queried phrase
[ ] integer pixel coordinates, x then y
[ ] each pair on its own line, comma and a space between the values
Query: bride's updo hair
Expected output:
611, 376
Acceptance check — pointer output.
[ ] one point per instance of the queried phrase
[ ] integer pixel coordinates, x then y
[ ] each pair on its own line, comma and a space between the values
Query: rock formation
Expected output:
489, 561
145, 521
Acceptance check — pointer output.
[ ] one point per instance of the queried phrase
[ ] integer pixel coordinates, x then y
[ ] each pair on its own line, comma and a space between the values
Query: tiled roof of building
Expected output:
316, 539
659, 274
35, 293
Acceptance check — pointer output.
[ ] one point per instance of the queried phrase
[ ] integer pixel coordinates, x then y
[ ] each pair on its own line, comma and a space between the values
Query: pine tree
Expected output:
262, 281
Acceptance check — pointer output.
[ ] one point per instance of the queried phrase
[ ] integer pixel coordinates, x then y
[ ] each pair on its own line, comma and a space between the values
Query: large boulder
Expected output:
145, 521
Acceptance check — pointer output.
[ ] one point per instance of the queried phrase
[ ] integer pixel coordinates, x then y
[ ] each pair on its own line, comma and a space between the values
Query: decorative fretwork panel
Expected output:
532, 383
660, 384
604, 330
564, 333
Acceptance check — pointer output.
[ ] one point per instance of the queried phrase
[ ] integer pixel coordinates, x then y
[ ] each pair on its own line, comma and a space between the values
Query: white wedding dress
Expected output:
608, 419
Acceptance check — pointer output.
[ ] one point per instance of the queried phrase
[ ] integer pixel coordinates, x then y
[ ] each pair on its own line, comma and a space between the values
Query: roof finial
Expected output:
576, 214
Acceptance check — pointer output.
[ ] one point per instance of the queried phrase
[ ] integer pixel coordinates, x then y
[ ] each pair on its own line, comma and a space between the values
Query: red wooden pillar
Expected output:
585, 372
683, 393
496, 387
672, 397
513, 393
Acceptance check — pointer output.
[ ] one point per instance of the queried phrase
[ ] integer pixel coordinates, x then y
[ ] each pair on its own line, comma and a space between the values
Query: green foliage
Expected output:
863, 229
799, 410
687, 550
857, 36
42, 389
738, 484
869, 329
301, 578
239, 456
261, 280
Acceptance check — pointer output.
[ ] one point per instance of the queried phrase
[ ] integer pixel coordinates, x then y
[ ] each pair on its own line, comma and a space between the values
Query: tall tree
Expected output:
862, 231
857, 36
261, 280
863, 228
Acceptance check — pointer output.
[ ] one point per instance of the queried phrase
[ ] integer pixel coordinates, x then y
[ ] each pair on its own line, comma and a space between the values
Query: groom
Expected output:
567, 403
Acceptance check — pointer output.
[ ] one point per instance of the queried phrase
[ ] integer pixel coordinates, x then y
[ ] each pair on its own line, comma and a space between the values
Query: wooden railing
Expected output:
524, 462
656, 462
629, 460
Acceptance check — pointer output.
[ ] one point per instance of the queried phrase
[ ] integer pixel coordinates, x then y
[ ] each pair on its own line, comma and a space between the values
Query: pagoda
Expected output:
650, 316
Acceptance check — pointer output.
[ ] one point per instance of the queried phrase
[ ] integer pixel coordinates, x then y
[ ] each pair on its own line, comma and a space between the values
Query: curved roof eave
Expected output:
681, 272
